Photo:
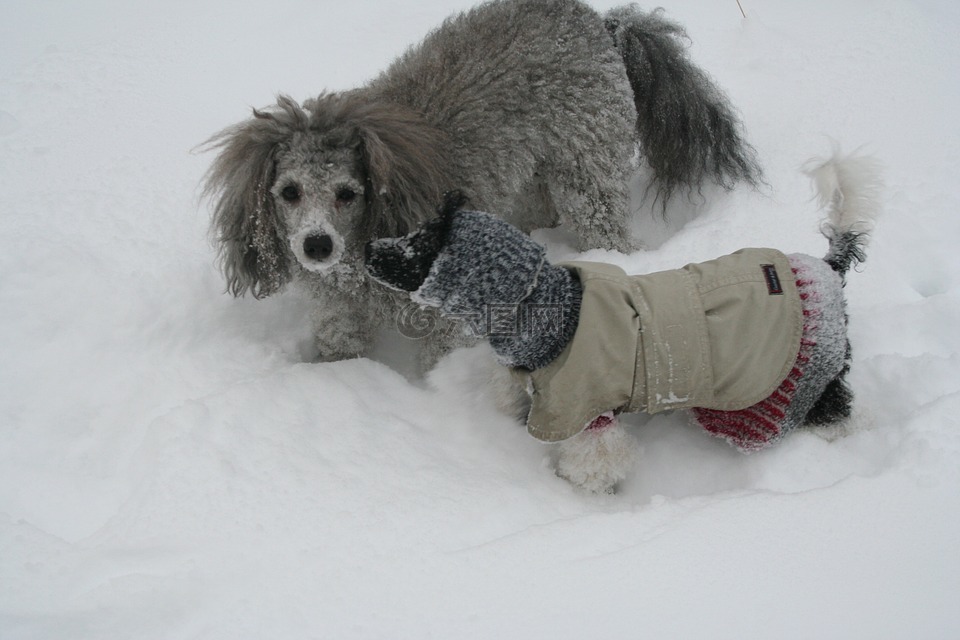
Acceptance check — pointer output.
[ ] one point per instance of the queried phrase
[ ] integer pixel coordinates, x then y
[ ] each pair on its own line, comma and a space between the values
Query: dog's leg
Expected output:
598, 212
836, 401
590, 194
598, 457
344, 326
339, 337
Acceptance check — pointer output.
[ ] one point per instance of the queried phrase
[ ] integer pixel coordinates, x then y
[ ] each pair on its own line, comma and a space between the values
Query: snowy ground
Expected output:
172, 467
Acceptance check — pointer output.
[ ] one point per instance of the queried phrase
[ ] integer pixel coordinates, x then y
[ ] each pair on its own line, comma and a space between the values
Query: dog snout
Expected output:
318, 247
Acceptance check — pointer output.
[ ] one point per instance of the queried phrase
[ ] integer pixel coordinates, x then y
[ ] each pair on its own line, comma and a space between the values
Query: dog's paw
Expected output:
598, 457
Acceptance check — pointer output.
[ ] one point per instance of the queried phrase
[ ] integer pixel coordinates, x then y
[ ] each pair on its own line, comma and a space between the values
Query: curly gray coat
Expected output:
532, 107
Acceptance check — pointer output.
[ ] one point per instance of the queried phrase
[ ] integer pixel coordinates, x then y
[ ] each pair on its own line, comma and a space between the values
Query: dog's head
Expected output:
306, 187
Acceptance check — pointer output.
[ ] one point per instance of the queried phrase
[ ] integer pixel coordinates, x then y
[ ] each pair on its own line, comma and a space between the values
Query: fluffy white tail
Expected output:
849, 187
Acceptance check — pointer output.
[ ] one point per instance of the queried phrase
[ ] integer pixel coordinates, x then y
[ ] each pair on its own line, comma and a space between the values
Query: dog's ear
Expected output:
407, 163
249, 234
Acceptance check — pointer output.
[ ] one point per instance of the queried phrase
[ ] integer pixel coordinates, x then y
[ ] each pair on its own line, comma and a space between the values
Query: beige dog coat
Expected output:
718, 335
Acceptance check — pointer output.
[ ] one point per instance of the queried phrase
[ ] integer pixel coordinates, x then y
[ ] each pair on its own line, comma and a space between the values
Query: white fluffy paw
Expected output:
598, 457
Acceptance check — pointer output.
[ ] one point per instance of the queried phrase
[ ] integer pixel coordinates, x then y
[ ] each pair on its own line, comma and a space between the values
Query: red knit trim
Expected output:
602, 421
756, 426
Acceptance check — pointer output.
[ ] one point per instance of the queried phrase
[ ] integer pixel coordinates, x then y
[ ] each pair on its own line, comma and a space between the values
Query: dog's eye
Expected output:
290, 193
346, 194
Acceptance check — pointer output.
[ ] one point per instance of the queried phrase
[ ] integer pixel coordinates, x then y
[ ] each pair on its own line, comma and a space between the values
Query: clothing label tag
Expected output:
774, 287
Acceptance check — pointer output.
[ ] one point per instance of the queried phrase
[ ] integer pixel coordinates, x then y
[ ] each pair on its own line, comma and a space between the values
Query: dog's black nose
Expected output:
318, 247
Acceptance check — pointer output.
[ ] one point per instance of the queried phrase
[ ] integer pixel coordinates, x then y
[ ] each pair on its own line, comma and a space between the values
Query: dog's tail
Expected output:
849, 187
686, 130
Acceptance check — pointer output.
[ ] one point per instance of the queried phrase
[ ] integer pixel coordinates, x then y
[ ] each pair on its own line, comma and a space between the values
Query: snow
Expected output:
172, 465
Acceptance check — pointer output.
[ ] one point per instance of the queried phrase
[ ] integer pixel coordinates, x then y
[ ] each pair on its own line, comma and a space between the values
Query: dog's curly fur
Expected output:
533, 107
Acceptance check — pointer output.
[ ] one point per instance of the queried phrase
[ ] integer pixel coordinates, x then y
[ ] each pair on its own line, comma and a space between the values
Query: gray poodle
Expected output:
535, 108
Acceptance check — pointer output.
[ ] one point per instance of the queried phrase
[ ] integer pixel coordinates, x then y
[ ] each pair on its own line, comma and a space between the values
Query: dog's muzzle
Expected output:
318, 247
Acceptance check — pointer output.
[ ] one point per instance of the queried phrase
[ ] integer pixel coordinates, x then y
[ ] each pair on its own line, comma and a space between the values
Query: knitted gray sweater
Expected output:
477, 267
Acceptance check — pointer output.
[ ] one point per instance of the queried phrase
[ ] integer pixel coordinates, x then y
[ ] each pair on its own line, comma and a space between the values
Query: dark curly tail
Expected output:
687, 131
